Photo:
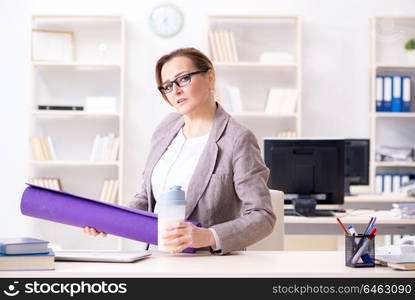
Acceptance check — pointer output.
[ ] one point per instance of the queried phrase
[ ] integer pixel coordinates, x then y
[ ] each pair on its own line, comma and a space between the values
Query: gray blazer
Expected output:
228, 189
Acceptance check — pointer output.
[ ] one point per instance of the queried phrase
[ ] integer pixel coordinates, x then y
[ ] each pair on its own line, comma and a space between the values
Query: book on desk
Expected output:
25, 253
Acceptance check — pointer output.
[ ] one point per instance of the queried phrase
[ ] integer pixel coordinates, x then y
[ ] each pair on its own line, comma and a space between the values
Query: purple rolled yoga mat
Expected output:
65, 208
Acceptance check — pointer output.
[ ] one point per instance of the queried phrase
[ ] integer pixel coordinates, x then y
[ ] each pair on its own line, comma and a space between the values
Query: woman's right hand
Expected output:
94, 232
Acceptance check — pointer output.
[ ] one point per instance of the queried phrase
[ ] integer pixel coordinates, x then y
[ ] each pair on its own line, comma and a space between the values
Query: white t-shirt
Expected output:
176, 167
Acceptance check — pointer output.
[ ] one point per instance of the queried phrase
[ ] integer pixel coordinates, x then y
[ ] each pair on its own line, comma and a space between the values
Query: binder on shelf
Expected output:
379, 93
65, 208
406, 94
396, 183
396, 93
387, 183
379, 183
387, 93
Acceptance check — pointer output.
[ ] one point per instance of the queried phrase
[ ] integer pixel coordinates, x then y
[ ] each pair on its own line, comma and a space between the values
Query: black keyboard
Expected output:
319, 213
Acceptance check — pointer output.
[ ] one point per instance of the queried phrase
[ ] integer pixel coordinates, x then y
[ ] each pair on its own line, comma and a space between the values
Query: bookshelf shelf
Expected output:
403, 66
258, 58
393, 164
79, 163
255, 65
77, 65
42, 113
262, 115
85, 66
390, 129
395, 115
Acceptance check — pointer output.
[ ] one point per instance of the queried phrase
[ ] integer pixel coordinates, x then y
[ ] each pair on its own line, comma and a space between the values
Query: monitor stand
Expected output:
305, 206
317, 213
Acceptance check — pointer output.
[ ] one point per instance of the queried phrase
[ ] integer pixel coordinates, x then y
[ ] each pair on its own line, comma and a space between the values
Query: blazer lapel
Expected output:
206, 165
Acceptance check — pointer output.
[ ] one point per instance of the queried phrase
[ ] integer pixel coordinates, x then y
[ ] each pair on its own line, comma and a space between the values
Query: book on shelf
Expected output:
281, 101
222, 46
230, 98
287, 133
51, 183
19, 262
393, 93
60, 107
42, 148
109, 191
23, 245
105, 148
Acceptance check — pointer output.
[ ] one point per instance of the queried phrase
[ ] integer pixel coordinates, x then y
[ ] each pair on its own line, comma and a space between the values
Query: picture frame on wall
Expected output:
53, 45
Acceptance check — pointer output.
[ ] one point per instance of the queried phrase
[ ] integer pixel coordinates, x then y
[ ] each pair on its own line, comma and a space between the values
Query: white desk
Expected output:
386, 223
271, 264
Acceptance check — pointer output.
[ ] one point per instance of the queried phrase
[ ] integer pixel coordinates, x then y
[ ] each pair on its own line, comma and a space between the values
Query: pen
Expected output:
363, 247
342, 226
369, 229
368, 224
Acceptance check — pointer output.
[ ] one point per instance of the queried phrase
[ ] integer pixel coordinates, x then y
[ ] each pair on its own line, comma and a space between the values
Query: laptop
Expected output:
100, 256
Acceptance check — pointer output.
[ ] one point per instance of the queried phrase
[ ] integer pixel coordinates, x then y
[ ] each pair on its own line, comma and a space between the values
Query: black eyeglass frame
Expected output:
162, 89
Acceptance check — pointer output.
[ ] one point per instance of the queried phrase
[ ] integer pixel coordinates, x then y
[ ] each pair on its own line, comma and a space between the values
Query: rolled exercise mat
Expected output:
65, 208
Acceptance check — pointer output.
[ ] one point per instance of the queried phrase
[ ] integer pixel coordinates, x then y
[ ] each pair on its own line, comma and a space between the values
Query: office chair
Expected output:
274, 241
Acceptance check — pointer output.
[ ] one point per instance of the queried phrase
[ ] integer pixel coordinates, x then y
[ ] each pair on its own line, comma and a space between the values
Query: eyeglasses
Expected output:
180, 81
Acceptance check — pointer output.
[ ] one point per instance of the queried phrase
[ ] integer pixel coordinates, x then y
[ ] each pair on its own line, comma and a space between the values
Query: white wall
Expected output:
335, 73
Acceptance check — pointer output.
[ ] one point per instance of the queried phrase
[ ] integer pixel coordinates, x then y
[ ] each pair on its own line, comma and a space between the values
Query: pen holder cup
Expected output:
360, 250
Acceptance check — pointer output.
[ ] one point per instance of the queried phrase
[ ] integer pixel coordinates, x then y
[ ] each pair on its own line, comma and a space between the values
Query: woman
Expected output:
215, 160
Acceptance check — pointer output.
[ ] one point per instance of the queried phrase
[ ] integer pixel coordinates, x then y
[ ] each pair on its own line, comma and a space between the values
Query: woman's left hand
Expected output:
184, 235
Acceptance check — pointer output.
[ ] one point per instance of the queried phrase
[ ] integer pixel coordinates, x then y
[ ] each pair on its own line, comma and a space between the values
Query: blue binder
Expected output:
387, 93
406, 94
379, 93
396, 93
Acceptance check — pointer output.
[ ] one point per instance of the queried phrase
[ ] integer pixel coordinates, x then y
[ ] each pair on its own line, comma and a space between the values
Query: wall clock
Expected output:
166, 20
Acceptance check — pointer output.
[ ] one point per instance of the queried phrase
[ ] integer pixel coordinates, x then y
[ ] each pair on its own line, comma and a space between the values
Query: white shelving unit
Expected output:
97, 70
253, 35
388, 57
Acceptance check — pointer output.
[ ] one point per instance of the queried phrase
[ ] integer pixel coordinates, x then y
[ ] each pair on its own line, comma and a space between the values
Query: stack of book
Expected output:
42, 148
105, 148
400, 261
222, 46
109, 191
25, 254
50, 183
288, 133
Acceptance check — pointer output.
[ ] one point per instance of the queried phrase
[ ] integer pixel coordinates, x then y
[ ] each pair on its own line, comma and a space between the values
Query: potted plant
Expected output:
410, 47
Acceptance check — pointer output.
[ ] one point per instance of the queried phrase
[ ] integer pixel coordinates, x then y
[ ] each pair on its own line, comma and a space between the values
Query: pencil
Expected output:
342, 226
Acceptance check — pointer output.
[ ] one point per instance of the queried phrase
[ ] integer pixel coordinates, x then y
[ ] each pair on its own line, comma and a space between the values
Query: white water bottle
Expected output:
172, 208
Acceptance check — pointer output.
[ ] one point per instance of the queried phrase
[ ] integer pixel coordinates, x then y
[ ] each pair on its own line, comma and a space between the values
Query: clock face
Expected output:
166, 20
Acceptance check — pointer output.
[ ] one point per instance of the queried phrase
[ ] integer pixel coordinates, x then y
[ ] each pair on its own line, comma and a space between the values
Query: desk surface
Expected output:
275, 264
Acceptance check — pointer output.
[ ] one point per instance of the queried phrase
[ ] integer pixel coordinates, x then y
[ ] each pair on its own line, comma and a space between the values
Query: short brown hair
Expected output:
199, 60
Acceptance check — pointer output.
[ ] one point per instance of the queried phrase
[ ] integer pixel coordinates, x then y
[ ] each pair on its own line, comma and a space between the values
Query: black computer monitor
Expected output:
356, 163
310, 170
